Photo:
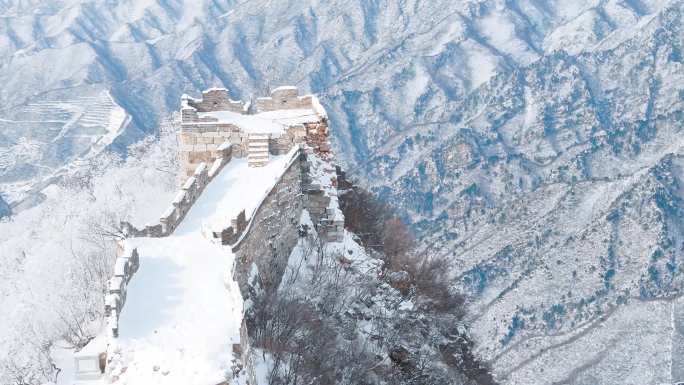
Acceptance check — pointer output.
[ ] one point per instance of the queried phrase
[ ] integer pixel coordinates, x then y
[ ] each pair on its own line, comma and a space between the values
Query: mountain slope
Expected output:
383, 68
557, 194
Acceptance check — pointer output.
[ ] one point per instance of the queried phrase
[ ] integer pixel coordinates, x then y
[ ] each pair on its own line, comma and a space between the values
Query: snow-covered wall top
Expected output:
232, 134
218, 100
280, 121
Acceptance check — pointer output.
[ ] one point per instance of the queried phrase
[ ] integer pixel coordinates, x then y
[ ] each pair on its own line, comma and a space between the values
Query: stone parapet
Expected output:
181, 204
232, 233
284, 98
126, 265
200, 137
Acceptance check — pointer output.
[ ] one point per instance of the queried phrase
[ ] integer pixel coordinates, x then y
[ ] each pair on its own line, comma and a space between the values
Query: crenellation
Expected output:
232, 233
126, 265
184, 199
215, 99
201, 132
284, 98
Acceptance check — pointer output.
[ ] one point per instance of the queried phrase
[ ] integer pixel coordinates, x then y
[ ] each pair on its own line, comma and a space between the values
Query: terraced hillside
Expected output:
44, 137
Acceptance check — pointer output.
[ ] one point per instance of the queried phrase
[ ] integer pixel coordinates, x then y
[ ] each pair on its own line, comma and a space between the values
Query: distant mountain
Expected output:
79, 76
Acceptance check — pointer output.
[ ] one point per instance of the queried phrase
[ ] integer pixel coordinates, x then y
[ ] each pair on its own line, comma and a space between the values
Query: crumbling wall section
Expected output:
316, 136
273, 230
202, 137
262, 253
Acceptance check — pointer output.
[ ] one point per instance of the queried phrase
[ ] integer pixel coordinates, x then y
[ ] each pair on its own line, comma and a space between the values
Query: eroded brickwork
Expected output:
273, 232
202, 137
204, 144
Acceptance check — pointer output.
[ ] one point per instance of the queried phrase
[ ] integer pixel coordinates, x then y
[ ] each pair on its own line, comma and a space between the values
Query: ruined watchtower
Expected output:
216, 126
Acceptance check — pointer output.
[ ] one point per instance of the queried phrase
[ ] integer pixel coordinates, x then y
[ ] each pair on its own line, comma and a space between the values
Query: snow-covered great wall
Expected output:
175, 304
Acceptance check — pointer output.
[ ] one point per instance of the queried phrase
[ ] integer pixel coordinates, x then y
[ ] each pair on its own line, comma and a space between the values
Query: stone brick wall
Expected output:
202, 138
205, 144
273, 230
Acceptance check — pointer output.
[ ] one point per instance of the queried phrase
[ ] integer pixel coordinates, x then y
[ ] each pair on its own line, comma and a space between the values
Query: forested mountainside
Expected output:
535, 145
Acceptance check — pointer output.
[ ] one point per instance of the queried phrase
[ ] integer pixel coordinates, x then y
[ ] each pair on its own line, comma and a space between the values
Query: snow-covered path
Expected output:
178, 316
183, 311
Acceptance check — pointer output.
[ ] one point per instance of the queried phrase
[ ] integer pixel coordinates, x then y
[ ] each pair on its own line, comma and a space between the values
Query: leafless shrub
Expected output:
79, 315
364, 216
376, 224
314, 335
303, 334
397, 241
17, 369
429, 275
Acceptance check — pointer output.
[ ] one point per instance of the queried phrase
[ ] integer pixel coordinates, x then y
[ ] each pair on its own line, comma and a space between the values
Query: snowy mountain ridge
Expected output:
148, 54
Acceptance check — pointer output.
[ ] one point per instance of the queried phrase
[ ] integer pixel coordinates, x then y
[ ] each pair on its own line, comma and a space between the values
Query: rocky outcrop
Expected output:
273, 228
